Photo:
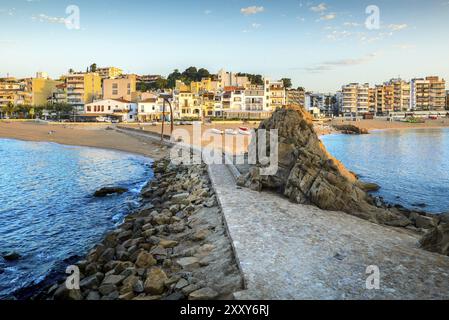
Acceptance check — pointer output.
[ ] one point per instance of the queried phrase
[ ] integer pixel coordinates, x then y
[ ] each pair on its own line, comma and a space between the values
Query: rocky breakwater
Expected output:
175, 247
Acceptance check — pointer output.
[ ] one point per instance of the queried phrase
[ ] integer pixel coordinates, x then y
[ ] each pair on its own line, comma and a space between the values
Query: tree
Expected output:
71, 71
202, 73
9, 109
287, 82
189, 75
256, 79
172, 77
93, 67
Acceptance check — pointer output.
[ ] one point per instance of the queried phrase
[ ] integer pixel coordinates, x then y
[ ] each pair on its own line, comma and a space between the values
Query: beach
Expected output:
386, 125
85, 135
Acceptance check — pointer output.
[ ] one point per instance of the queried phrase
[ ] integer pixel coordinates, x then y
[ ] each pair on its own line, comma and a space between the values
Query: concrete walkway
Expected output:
291, 251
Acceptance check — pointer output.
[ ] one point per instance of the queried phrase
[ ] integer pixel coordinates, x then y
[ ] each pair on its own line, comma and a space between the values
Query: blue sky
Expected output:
319, 44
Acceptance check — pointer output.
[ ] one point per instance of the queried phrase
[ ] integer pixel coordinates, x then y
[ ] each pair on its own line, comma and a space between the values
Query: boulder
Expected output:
11, 256
308, 174
154, 284
104, 192
145, 260
203, 294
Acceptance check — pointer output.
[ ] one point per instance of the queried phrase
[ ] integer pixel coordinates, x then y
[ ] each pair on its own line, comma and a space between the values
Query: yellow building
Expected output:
83, 88
109, 72
39, 90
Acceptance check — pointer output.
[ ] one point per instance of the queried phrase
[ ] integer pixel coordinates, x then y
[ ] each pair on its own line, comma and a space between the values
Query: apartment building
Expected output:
109, 72
230, 79
123, 87
447, 100
186, 105
59, 94
83, 88
11, 91
296, 97
39, 90
355, 99
428, 94
275, 94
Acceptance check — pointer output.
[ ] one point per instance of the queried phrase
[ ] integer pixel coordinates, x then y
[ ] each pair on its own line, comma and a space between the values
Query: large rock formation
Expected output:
308, 174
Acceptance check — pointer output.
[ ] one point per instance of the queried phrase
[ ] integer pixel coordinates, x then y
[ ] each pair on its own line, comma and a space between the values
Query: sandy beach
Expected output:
386, 125
86, 135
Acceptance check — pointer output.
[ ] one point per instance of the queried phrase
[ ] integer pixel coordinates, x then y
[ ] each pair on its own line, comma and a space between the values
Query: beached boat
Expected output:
216, 131
244, 129
245, 132
231, 132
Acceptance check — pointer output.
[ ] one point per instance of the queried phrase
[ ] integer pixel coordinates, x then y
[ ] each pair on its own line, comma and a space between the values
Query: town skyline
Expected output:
319, 45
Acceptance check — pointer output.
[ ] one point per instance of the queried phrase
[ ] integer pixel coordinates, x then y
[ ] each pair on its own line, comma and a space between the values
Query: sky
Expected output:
320, 45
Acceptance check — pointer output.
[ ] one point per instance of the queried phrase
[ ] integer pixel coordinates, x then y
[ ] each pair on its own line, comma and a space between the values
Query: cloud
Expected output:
331, 65
252, 10
351, 24
397, 27
319, 8
330, 16
49, 19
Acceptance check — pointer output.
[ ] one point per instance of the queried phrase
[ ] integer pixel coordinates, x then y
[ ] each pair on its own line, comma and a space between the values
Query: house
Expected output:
122, 110
150, 109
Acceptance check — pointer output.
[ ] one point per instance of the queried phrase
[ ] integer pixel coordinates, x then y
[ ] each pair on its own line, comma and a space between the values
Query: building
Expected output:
11, 91
120, 88
83, 88
186, 105
355, 99
59, 94
428, 94
109, 72
122, 110
150, 109
230, 79
296, 97
39, 90
447, 100
275, 94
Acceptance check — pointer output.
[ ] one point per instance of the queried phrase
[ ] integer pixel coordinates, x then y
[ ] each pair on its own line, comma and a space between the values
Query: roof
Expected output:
149, 100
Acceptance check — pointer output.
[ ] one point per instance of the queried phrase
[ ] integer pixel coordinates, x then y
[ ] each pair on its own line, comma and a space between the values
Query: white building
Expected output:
122, 110
150, 109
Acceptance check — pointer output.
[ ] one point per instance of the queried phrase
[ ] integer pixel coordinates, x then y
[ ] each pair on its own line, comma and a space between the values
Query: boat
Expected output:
231, 132
216, 131
244, 129
244, 132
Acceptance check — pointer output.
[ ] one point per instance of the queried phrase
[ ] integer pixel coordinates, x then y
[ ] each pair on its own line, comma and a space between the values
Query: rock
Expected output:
145, 260
350, 129
424, 222
203, 294
154, 284
103, 192
138, 287
113, 279
93, 296
107, 256
107, 289
168, 243
124, 236
437, 239
200, 235
11, 256
181, 284
307, 173
89, 282
127, 296
62, 293
175, 297
369, 187
181, 198
189, 263
189, 289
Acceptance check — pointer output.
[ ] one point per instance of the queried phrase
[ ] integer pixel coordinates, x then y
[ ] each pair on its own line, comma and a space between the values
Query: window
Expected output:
102, 108
109, 108
114, 86
88, 108
115, 92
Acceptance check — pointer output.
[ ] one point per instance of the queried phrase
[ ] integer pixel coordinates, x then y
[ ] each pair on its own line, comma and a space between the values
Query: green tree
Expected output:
202, 73
9, 109
287, 82
189, 75
93, 67
172, 77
